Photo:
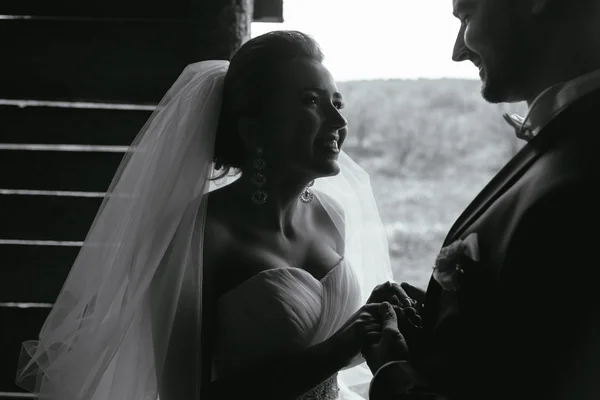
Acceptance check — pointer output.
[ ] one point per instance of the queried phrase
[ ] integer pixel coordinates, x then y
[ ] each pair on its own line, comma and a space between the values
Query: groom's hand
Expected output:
391, 345
416, 294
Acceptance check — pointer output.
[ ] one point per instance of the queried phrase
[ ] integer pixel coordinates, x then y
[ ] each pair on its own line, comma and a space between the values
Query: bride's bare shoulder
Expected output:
224, 249
221, 230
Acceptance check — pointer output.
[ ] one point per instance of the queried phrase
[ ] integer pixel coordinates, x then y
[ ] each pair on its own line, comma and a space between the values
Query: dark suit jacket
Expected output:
525, 323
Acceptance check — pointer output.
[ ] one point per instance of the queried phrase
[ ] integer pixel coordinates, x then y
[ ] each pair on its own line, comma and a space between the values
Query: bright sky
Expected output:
378, 38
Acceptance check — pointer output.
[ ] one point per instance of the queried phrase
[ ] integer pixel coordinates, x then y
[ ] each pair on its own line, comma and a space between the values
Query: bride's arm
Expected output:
283, 378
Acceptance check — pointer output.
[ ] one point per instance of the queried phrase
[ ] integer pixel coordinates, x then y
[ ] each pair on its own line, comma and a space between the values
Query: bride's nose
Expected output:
337, 120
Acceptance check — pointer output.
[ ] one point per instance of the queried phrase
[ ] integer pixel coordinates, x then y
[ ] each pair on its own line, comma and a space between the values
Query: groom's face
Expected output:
493, 37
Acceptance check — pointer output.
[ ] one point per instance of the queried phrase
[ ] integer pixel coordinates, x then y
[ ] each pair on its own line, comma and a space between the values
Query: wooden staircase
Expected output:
78, 79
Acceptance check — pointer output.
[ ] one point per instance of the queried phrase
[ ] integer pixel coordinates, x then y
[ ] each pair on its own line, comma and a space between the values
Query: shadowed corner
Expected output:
581, 378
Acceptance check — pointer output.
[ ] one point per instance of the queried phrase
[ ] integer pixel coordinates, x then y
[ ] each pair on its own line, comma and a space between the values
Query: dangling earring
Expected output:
259, 179
307, 195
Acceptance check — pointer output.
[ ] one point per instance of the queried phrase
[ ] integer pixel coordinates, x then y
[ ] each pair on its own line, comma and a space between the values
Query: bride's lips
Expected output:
328, 145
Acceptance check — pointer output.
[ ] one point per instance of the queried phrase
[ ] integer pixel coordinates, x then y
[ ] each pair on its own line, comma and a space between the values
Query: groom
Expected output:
514, 313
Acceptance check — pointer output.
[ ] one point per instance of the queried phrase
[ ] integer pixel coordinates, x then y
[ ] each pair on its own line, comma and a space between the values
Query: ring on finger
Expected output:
411, 301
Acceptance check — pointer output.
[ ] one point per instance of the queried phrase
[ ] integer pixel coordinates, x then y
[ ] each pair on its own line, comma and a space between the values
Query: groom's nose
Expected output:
460, 51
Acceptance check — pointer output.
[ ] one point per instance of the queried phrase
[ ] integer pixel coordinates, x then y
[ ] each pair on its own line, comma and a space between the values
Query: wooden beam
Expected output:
34, 273
57, 125
268, 11
58, 170
46, 217
18, 325
111, 61
264, 10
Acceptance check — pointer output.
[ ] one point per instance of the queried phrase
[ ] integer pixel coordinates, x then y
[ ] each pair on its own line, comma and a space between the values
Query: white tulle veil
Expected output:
106, 337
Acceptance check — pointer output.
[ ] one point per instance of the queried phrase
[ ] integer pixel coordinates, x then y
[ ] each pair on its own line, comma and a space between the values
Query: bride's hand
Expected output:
397, 296
409, 324
363, 326
391, 292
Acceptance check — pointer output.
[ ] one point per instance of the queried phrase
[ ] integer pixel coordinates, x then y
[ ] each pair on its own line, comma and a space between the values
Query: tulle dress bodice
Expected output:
282, 311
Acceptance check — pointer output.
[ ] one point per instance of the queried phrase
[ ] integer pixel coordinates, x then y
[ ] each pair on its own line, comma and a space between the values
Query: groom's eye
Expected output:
311, 100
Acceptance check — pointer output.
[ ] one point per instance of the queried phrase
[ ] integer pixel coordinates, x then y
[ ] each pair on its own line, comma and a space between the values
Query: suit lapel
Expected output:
503, 180
519, 164
583, 112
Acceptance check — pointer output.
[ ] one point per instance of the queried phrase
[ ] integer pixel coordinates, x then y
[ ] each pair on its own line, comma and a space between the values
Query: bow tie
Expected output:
522, 130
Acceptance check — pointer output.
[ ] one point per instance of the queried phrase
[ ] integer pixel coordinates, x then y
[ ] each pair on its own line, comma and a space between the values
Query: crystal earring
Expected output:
307, 195
259, 179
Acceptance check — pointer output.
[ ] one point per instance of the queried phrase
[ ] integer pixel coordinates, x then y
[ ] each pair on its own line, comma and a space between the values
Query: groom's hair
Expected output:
248, 83
569, 9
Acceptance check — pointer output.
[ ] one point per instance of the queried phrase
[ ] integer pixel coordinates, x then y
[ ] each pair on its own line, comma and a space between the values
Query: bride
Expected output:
215, 269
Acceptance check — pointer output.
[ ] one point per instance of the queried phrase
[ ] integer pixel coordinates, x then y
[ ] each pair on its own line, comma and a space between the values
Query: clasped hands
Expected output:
382, 330
397, 323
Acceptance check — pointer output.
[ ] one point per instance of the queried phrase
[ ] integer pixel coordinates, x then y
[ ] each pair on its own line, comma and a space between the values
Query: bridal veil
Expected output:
107, 335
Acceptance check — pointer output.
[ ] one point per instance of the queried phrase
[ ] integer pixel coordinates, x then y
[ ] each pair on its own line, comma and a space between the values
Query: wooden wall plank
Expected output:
116, 61
133, 59
58, 170
46, 217
56, 125
110, 9
23, 324
268, 11
264, 10
34, 274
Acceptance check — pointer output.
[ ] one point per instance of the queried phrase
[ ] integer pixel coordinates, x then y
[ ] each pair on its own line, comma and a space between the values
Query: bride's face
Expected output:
303, 125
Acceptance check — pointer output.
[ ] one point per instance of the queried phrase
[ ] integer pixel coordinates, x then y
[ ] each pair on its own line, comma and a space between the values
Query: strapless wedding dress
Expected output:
280, 311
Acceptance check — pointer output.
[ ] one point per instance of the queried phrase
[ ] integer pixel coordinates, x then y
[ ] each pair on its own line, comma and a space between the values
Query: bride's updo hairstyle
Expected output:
248, 82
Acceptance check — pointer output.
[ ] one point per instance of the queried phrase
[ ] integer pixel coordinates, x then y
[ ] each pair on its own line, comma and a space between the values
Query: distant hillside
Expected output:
429, 146
425, 127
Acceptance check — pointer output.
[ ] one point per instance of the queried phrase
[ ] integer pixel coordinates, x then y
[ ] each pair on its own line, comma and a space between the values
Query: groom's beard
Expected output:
507, 73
